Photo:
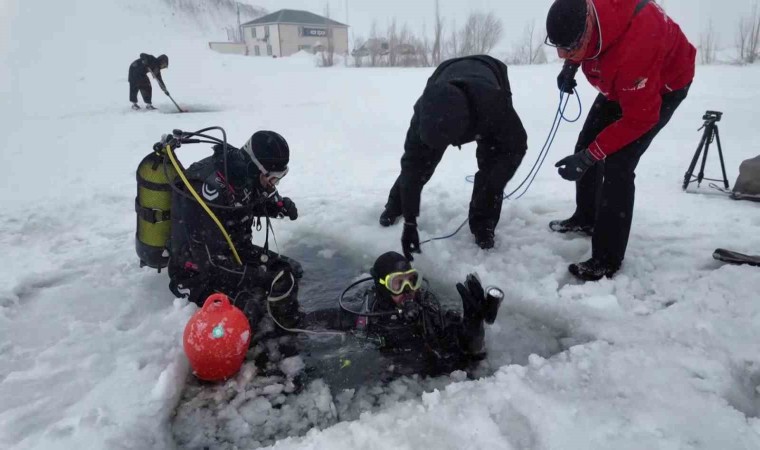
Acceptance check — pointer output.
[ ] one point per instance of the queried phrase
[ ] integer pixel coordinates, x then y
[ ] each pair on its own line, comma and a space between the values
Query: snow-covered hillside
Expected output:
665, 355
214, 15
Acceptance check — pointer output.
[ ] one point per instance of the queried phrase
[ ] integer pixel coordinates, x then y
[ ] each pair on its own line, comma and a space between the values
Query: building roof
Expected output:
294, 16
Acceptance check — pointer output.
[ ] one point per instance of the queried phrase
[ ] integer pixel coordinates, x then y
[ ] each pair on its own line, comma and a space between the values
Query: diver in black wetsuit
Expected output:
239, 186
405, 319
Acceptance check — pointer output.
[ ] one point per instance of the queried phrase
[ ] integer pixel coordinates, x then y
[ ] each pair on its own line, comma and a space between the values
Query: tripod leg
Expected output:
690, 171
709, 131
720, 153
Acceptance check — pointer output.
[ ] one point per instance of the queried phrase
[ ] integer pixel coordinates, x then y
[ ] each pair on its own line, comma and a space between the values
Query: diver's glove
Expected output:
289, 209
284, 207
410, 240
566, 78
574, 166
473, 298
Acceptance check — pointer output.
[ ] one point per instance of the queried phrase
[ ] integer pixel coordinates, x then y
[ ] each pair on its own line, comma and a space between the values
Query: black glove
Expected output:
574, 166
289, 209
566, 78
473, 298
410, 240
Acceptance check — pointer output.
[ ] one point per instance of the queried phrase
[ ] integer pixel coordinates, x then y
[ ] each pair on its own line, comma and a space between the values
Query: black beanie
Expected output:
388, 263
566, 22
444, 115
270, 149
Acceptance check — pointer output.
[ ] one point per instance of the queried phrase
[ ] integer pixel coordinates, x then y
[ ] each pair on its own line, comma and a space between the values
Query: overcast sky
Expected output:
692, 15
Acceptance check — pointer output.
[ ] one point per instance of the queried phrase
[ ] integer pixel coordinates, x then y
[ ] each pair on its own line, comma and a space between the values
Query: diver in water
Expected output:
406, 319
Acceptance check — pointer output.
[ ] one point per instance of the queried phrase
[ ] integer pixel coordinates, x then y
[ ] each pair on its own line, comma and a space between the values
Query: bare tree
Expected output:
359, 51
748, 37
374, 50
438, 35
753, 47
328, 52
530, 49
707, 45
479, 35
484, 31
423, 50
393, 41
451, 45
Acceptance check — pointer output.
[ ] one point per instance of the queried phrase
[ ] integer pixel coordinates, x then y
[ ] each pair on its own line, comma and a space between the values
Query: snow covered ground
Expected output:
666, 355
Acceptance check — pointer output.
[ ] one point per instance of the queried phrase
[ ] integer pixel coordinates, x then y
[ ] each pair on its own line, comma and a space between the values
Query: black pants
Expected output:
605, 195
146, 90
495, 168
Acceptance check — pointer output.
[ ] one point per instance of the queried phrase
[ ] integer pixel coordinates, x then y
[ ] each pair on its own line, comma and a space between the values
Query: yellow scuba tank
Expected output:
153, 208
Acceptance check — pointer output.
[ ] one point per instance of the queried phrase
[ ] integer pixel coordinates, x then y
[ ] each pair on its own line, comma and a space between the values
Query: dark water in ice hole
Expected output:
339, 378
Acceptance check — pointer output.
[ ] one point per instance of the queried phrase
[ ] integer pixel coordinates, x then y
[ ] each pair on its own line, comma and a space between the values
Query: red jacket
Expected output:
643, 56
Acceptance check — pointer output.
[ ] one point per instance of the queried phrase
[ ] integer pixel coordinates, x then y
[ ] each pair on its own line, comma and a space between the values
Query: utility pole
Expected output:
240, 29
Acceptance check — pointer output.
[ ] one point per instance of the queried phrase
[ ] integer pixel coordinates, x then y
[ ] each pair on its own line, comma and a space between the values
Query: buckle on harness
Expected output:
151, 215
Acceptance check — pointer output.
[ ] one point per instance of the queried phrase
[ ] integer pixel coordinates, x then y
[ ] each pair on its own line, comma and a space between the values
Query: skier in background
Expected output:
139, 81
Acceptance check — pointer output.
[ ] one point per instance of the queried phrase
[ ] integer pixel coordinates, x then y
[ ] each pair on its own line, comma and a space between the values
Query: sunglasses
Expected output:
567, 48
396, 282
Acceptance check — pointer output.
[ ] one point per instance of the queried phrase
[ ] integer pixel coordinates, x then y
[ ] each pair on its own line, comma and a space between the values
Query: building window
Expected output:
269, 50
266, 31
253, 32
256, 50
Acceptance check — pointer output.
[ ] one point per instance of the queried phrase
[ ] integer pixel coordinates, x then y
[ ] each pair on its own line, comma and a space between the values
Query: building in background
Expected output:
288, 31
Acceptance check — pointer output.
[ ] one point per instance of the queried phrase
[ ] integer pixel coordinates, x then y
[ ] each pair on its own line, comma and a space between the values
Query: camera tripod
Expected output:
711, 133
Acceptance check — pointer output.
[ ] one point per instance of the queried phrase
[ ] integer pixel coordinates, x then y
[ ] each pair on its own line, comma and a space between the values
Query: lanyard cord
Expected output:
559, 117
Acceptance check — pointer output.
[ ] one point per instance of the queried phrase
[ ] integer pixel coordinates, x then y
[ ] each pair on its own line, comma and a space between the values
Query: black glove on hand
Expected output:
566, 78
574, 166
473, 297
410, 240
289, 209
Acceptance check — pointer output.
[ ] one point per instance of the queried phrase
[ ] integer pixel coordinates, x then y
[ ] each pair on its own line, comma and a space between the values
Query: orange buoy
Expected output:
216, 339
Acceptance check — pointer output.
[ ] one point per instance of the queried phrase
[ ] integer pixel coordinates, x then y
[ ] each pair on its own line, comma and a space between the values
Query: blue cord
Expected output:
559, 117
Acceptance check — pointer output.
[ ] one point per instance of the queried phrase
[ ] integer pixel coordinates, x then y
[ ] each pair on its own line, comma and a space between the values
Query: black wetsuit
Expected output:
425, 339
495, 126
201, 261
138, 77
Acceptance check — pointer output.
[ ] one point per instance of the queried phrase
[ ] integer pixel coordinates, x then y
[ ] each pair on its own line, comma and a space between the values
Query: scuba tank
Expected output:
153, 208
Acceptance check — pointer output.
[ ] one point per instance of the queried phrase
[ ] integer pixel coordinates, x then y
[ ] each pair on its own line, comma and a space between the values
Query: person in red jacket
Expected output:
642, 64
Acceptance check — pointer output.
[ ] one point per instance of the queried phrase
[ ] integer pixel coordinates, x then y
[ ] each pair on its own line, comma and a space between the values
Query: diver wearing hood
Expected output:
239, 186
139, 81
466, 99
403, 317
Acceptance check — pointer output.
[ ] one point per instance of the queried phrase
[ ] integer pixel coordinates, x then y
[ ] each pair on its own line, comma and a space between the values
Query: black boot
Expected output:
573, 224
388, 218
484, 237
593, 269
